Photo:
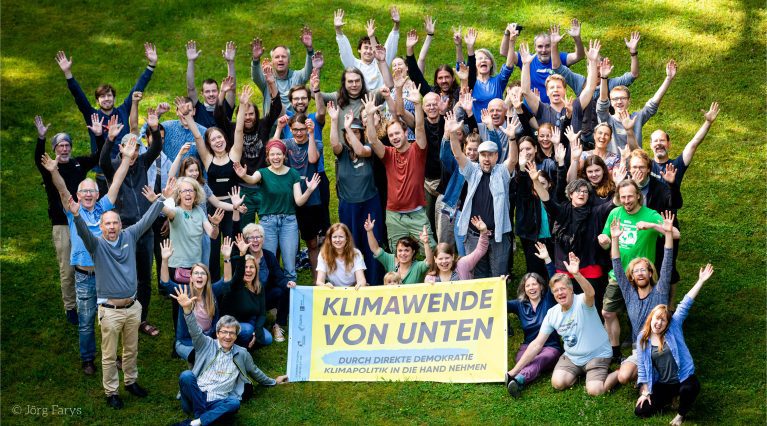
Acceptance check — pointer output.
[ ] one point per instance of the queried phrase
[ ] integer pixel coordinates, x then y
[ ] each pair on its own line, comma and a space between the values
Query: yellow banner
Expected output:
451, 332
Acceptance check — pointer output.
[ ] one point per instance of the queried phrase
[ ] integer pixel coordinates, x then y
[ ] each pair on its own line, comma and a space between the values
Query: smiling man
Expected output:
375, 71
204, 110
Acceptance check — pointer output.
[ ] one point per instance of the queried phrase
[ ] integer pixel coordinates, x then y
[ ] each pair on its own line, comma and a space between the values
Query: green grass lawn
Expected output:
718, 44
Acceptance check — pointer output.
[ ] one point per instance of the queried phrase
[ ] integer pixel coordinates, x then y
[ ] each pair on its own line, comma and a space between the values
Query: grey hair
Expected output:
287, 49
490, 56
228, 321
252, 228
577, 184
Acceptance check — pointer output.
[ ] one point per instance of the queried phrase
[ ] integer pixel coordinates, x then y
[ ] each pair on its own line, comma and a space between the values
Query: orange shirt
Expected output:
405, 178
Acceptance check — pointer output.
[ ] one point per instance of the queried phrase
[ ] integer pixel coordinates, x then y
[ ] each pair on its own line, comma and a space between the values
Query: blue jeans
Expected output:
459, 240
183, 350
246, 333
194, 400
85, 289
281, 230
353, 215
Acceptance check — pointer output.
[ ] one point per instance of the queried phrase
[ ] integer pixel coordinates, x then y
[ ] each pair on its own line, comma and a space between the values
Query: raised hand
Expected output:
236, 199
42, 129
424, 236
412, 39
536, 92
370, 27
706, 272
245, 95
114, 127
318, 60
170, 187
569, 106
227, 84
532, 171
166, 249
368, 103
306, 37
182, 107
309, 126
64, 63
338, 19
633, 42
712, 112
149, 194
668, 221
560, 152
74, 207
428, 25
576, 149
669, 175
573, 266
471, 37
332, 110
137, 96
256, 48
554, 34
97, 125
49, 163
413, 92
380, 52
463, 71
513, 31
162, 108
615, 229
541, 252
486, 119
453, 126
349, 117
394, 13
150, 51
151, 118
191, 51
593, 53
556, 135
524, 54
671, 69
282, 121
571, 135
184, 149
605, 67
128, 149
512, 124
183, 299
369, 224
314, 182
226, 247
217, 217
627, 120
619, 172
314, 80
242, 244
229, 52
266, 66
479, 224
466, 101
575, 28
457, 35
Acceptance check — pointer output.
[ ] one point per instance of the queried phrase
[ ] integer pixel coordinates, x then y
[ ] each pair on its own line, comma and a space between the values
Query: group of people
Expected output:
434, 181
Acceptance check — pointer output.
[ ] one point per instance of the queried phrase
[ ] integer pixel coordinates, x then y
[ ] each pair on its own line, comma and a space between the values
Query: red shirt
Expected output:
405, 178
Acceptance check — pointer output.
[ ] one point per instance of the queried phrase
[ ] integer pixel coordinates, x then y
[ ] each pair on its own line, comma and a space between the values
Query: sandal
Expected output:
278, 333
148, 329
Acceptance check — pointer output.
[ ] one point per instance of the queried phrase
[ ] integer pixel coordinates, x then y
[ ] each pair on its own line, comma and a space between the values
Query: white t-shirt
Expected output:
341, 277
582, 332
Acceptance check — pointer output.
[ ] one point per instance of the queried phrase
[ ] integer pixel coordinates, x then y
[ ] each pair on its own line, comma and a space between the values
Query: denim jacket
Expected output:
499, 188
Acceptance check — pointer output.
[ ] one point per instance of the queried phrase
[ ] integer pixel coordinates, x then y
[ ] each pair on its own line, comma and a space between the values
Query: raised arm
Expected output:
235, 154
317, 94
314, 154
705, 273
509, 40
399, 99
191, 56
428, 26
335, 144
532, 100
575, 153
555, 37
692, 146
51, 165
126, 153
105, 162
541, 190
370, 128
632, 44
383, 66
587, 94
229, 53
670, 74
575, 33
372, 242
452, 127
628, 124
512, 157
133, 116
344, 47
414, 96
458, 42
256, 73
176, 166
573, 267
185, 114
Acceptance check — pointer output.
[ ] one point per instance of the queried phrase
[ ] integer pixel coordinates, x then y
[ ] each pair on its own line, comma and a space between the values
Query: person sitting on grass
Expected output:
340, 264
412, 271
587, 348
666, 368
447, 267
213, 387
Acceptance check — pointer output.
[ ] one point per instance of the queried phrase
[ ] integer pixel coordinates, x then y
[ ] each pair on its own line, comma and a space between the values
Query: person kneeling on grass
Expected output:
412, 271
587, 348
214, 387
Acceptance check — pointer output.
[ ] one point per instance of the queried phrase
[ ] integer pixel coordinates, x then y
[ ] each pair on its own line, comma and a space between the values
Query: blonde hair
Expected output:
650, 268
392, 276
560, 277
255, 285
199, 193
207, 292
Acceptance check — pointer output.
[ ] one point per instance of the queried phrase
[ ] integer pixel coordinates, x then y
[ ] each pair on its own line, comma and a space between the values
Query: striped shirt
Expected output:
219, 378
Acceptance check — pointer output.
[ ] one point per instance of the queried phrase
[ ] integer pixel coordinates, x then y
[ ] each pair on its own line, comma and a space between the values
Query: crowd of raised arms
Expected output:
451, 170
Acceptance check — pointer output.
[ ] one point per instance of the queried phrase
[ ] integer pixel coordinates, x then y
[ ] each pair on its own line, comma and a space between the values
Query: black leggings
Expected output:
663, 394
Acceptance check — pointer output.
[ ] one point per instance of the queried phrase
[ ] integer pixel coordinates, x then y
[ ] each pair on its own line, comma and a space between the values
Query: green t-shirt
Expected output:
633, 243
277, 192
415, 274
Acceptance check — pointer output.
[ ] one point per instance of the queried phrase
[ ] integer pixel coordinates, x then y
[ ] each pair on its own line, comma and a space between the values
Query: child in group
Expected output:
392, 278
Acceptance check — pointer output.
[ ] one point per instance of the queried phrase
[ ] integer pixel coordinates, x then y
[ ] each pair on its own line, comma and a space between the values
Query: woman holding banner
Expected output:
532, 302
339, 263
446, 268
412, 271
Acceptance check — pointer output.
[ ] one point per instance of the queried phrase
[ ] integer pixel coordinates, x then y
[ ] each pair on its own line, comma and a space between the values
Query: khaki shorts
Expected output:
595, 370
613, 300
634, 358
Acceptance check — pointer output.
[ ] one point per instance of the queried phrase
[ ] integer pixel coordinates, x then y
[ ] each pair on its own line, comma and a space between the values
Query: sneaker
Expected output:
278, 333
115, 402
89, 368
514, 388
72, 317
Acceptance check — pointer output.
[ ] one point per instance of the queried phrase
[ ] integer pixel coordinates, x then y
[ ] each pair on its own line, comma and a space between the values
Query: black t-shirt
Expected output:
482, 204
434, 133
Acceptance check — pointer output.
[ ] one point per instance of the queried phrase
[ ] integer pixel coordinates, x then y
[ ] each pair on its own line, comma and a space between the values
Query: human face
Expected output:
106, 101
110, 226
250, 116
497, 110
404, 254
366, 52
527, 150
487, 160
198, 278
543, 49
638, 169
544, 182
580, 196
556, 92
250, 270
217, 142
187, 195
563, 294
357, 134
594, 174
431, 106
533, 289
641, 274
280, 60
353, 83
620, 100
659, 144
192, 171
397, 137
300, 100
255, 242
87, 194
471, 151
602, 137
210, 93
226, 337
276, 157
659, 322
444, 81
299, 132
629, 199
484, 64
398, 64
392, 281
63, 151
338, 240
544, 138
444, 262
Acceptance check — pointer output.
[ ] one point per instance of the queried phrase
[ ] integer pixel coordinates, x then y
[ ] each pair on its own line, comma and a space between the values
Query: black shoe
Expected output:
89, 368
119, 363
137, 390
72, 317
615, 388
514, 388
115, 402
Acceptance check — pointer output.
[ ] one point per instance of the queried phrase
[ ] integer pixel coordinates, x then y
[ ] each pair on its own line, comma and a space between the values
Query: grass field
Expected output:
718, 44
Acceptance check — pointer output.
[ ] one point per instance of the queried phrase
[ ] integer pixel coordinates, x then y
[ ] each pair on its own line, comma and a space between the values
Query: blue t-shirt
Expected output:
484, 92
582, 332
80, 255
539, 72
531, 320
298, 158
176, 136
287, 134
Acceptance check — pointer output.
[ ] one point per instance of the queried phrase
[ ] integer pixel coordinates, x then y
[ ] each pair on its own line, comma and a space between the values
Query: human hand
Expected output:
486, 119
242, 244
150, 51
424, 236
49, 163
556, 135
632, 42
541, 252
226, 247
671, 69
712, 112
394, 13
217, 217
479, 224
137, 96
457, 35
151, 118
380, 52
428, 25
593, 53
96, 127
576, 149
413, 92
170, 187
306, 37
627, 120
183, 109
162, 108
282, 122
256, 49
246, 95
370, 27
573, 266
183, 299
165, 229
184, 149
368, 103
64, 63
463, 71
524, 54
554, 35
266, 66
530, 168
236, 199
338, 19
513, 31
42, 129
291, 284
575, 28
467, 102
643, 399
332, 110
74, 207
166, 249
471, 37
369, 224
318, 61
560, 152
227, 84
114, 127
615, 229
191, 51
229, 52
512, 124
314, 182
619, 172
536, 92
309, 123
605, 67
149, 194
668, 221
128, 149
706, 272
412, 39
669, 175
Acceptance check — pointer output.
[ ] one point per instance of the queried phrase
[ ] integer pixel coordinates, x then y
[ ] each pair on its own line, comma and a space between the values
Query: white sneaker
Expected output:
278, 333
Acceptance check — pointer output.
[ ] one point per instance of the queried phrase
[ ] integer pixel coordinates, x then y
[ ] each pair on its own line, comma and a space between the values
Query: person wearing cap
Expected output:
281, 192
72, 170
91, 210
487, 196
132, 206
